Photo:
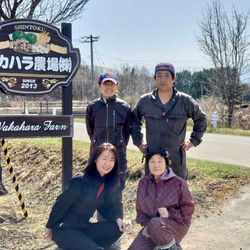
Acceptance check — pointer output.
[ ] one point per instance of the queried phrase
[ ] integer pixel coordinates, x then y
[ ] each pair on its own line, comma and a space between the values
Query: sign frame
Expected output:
35, 72
32, 126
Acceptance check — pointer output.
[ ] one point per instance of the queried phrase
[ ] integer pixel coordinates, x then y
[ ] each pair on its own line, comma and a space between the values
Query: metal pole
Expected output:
92, 64
90, 39
83, 97
67, 142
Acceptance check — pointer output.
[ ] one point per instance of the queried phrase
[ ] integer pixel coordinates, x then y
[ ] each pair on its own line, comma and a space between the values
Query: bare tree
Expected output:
225, 41
50, 11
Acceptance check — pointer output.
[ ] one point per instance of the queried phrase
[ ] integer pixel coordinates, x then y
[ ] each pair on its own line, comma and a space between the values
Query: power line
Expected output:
99, 58
135, 62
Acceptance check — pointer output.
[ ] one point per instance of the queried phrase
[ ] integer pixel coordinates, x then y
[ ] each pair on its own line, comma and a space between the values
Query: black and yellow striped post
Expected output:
14, 178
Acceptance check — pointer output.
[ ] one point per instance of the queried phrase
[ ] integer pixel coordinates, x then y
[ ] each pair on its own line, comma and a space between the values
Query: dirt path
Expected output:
225, 230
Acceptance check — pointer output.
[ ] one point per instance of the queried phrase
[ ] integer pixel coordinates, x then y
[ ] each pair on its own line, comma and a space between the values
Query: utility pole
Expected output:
90, 39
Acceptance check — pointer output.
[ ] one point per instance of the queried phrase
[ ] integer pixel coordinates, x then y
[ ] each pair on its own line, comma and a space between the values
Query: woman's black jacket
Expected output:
77, 204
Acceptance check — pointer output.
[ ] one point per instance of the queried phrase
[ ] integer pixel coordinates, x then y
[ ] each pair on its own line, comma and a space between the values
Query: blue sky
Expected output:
145, 32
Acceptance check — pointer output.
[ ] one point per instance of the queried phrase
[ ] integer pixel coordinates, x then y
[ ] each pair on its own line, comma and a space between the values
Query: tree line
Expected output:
135, 81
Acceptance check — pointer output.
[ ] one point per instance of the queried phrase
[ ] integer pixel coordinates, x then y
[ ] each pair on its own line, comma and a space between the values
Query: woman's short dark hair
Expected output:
159, 151
113, 176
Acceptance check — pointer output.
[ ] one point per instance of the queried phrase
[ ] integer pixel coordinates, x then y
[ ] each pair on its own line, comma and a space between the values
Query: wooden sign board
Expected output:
35, 57
36, 126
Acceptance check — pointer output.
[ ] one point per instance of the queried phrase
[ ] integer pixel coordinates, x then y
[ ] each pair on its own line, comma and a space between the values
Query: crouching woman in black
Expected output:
68, 225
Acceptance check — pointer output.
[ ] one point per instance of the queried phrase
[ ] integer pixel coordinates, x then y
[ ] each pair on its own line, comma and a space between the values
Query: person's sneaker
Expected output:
171, 246
116, 245
178, 246
174, 247
111, 248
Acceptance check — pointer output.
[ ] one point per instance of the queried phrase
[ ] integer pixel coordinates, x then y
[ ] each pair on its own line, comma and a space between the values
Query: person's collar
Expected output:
111, 99
154, 94
168, 174
97, 174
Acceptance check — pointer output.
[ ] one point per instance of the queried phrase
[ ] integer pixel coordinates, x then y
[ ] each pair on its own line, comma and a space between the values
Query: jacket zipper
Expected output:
113, 120
107, 118
123, 146
92, 144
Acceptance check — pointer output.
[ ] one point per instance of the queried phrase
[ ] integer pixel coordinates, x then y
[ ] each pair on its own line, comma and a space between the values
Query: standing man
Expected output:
166, 111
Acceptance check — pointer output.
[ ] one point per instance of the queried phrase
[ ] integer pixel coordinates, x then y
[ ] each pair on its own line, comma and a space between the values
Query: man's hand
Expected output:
186, 145
143, 147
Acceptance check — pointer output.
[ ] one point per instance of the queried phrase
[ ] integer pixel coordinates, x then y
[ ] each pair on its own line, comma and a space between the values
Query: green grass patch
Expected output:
211, 170
229, 131
224, 131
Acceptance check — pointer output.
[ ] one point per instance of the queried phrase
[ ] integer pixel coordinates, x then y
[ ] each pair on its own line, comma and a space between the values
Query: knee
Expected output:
159, 231
154, 223
154, 226
113, 230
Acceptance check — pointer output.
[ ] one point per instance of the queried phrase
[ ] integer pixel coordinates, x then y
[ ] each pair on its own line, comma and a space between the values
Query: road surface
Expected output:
220, 148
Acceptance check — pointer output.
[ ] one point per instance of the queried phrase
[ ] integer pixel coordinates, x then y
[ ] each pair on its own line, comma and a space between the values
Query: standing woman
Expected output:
108, 119
164, 206
68, 225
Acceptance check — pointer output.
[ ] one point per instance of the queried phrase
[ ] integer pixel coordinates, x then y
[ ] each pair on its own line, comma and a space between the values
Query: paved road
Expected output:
229, 149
